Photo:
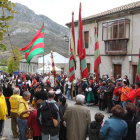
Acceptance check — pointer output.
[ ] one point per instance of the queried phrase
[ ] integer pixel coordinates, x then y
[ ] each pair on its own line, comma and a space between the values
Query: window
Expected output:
117, 29
86, 36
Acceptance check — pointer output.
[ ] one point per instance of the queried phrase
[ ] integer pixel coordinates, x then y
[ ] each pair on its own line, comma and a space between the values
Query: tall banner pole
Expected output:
72, 90
43, 64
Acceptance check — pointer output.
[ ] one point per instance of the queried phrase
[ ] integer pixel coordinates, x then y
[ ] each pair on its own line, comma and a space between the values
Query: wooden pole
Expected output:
72, 89
43, 64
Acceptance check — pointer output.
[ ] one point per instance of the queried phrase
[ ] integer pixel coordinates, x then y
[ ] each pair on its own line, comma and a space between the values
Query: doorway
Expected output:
117, 70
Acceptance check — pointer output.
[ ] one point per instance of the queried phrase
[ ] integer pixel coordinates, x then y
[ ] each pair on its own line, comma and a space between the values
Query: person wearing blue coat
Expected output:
114, 128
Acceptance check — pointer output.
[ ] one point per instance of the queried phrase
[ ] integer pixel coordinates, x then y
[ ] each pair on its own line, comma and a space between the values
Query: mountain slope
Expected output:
25, 25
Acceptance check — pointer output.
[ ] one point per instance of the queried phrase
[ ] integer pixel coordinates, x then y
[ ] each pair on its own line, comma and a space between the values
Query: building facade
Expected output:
119, 40
29, 68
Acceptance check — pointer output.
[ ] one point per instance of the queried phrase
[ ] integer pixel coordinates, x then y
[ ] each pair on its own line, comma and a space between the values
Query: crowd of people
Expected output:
31, 102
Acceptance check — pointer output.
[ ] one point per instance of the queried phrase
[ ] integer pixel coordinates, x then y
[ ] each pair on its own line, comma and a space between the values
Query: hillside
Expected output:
25, 25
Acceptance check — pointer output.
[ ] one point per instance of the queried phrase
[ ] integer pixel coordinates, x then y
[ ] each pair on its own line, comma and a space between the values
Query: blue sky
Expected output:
60, 10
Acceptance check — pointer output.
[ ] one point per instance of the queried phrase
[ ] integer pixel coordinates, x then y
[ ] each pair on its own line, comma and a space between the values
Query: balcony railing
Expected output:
116, 47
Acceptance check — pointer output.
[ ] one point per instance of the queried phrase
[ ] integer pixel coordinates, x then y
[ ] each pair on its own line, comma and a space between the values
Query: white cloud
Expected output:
60, 10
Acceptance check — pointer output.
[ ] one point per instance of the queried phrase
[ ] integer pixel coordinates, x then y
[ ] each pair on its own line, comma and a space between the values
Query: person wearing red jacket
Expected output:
116, 94
131, 95
32, 123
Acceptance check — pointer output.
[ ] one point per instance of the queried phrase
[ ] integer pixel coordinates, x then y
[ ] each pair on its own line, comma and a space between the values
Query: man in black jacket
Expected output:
109, 93
48, 111
42, 94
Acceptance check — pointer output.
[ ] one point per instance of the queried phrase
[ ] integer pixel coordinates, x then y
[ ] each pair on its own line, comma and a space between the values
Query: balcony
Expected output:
116, 47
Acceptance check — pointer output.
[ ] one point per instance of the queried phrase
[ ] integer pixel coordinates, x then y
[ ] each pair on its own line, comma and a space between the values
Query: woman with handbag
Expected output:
32, 123
116, 94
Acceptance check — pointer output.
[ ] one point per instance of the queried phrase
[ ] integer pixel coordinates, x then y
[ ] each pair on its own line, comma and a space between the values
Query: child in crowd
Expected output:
95, 126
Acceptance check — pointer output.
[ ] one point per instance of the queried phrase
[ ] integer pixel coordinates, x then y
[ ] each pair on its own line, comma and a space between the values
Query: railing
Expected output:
115, 47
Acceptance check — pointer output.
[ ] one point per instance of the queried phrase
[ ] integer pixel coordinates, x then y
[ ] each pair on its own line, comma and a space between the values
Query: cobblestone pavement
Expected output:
7, 126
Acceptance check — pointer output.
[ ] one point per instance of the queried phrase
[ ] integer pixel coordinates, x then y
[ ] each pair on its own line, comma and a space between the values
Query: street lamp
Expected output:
66, 38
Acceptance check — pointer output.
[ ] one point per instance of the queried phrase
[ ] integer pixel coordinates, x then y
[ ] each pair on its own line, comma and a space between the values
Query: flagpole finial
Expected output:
72, 13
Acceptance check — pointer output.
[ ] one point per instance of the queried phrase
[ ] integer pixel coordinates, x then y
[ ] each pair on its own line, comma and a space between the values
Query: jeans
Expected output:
46, 137
69, 93
123, 105
22, 124
1, 125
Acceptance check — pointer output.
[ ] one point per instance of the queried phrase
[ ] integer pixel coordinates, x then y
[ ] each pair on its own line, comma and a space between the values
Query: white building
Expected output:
119, 40
37, 62
29, 68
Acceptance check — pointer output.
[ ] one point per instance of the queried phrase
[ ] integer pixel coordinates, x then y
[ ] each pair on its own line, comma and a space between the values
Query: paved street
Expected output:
7, 127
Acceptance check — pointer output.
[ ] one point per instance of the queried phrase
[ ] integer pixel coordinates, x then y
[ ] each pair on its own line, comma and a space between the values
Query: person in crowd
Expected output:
69, 89
62, 131
131, 120
116, 94
104, 78
62, 81
114, 128
3, 110
102, 96
42, 94
125, 90
7, 92
112, 79
49, 110
66, 82
137, 95
14, 101
131, 95
34, 81
77, 118
79, 85
84, 86
32, 122
90, 100
95, 126
35, 90
57, 90
23, 114
126, 79
118, 77
109, 93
